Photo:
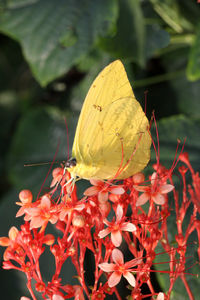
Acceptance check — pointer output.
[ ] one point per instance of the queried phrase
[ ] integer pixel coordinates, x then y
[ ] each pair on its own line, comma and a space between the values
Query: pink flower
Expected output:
101, 189
155, 191
116, 228
42, 214
120, 268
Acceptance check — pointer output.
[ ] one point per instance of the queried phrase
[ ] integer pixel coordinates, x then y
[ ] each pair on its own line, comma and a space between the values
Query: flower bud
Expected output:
78, 221
25, 196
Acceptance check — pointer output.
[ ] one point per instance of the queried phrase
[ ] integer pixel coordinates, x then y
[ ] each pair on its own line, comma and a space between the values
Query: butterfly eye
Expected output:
70, 163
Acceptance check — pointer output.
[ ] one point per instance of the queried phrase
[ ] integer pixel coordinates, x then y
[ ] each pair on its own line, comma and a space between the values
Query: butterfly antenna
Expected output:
145, 101
41, 164
67, 129
157, 151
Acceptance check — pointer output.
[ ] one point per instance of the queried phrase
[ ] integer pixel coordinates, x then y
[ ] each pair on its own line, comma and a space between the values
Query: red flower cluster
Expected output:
108, 216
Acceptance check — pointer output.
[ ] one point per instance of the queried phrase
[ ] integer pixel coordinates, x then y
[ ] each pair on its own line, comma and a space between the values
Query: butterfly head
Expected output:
70, 165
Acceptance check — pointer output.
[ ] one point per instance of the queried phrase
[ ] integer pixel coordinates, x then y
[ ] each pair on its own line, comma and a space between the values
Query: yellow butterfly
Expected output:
112, 139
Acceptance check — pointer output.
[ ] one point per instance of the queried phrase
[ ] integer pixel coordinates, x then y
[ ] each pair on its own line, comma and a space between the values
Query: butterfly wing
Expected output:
111, 119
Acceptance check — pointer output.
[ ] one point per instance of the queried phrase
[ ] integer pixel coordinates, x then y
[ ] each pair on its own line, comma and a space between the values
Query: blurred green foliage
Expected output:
50, 53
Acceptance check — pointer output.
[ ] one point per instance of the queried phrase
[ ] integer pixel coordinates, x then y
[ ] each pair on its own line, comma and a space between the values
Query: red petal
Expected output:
96, 182
166, 188
57, 297
104, 233
130, 278
117, 256
36, 222
117, 190
4, 241
102, 197
106, 267
45, 202
158, 199
20, 212
119, 213
142, 199
141, 188
114, 279
161, 296
116, 238
91, 191
128, 227
133, 262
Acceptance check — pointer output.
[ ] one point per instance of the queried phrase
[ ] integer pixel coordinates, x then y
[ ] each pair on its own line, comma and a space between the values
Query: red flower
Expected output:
101, 189
116, 228
42, 214
67, 207
120, 268
155, 191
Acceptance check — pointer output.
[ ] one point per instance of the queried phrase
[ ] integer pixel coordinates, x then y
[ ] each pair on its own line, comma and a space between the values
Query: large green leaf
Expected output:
55, 35
129, 41
37, 137
193, 70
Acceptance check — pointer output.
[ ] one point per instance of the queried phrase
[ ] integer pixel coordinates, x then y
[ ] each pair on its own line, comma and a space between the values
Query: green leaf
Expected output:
69, 39
36, 140
156, 39
8, 114
129, 40
169, 11
193, 68
53, 35
187, 96
179, 127
19, 3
